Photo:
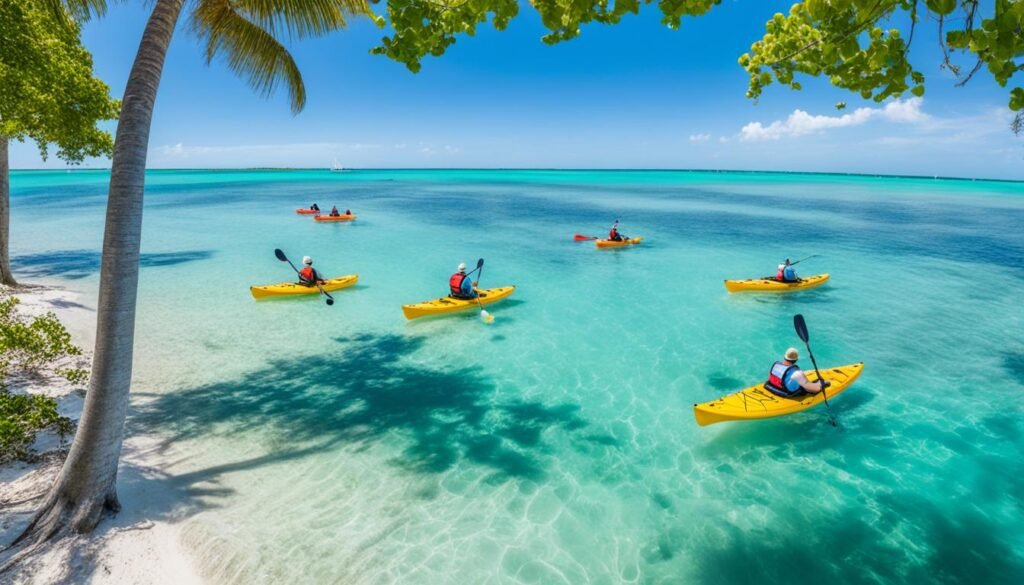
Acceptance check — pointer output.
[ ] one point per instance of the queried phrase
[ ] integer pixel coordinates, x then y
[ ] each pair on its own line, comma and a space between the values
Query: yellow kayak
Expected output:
449, 305
771, 285
758, 402
292, 288
612, 244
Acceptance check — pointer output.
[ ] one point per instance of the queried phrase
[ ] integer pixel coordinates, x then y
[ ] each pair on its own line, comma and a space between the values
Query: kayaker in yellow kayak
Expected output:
461, 285
787, 379
614, 235
308, 276
786, 273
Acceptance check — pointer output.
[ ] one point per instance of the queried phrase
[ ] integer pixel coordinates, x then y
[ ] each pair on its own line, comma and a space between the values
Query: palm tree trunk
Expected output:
5, 215
85, 488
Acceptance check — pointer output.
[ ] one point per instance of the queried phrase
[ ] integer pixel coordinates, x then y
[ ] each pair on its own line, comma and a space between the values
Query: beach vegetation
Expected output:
22, 416
34, 346
31, 346
49, 96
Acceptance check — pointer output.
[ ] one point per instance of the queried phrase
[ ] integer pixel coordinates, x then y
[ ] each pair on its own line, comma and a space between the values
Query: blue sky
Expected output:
635, 95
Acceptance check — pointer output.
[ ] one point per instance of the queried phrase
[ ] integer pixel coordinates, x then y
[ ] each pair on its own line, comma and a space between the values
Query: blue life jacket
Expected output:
780, 380
789, 274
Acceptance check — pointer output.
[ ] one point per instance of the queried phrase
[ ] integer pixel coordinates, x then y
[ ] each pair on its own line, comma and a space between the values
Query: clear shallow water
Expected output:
315, 444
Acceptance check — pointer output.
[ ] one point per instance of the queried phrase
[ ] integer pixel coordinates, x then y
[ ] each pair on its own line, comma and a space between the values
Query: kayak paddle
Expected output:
484, 315
582, 238
280, 256
802, 259
801, 330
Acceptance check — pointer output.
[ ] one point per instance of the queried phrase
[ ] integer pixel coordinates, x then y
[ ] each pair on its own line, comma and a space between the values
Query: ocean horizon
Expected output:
566, 169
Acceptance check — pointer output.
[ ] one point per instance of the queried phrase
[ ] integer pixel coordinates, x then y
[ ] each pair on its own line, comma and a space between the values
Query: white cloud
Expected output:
700, 137
800, 123
723, 139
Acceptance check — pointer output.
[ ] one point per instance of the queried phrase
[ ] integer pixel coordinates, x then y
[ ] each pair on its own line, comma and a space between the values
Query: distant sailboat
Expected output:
336, 167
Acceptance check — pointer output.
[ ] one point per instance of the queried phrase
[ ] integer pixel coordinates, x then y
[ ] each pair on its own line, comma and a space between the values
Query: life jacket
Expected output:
455, 283
308, 276
780, 380
789, 274
781, 274
613, 234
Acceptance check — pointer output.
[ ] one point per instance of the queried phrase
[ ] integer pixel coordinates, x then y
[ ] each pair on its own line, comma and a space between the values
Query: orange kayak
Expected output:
335, 217
304, 211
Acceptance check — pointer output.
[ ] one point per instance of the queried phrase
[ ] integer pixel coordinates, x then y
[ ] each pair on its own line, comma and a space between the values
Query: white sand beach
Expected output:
141, 545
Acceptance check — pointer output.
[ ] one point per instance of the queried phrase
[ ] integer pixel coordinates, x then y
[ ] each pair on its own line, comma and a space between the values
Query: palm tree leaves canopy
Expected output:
247, 33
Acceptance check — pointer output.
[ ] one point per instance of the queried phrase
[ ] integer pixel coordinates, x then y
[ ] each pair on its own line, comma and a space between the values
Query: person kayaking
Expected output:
348, 212
314, 207
614, 234
787, 379
786, 273
334, 211
461, 285
308, 276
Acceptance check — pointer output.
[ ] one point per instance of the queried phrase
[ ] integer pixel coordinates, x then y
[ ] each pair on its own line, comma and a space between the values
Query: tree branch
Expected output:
856, 30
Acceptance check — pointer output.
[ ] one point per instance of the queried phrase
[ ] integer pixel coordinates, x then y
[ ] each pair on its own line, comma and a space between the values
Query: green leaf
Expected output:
1017, 99
942, 7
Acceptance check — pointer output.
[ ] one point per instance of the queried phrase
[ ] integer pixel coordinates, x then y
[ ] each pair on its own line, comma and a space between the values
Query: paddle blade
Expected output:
480, 263
330, 301
486, 317
280, 255
801, 327
582, 238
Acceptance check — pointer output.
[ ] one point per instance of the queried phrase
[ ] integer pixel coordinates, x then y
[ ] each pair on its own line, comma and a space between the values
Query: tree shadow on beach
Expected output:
77, 264
361, 393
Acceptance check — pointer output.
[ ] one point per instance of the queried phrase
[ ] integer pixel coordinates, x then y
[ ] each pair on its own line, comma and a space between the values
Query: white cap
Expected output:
792, 354
307, 260
462, 266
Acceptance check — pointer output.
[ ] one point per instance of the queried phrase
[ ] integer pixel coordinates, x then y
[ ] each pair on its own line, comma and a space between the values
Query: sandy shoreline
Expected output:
142, 544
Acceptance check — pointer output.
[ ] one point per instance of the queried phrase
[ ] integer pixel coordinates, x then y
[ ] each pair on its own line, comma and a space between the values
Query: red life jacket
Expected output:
455, 283
308, 276
778, 376
613, 234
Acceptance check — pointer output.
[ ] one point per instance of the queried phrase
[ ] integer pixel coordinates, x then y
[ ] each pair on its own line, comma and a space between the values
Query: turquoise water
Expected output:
315, 444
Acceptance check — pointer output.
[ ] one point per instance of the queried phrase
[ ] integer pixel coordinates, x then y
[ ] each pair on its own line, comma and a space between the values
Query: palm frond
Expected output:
251, 51
302, 18
80, 10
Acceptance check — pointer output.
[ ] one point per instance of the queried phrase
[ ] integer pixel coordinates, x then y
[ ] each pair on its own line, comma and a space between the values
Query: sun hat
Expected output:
792, 354
307, 260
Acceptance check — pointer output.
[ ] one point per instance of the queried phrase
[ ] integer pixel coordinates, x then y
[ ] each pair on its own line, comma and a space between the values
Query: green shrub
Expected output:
31, 346
21, 417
